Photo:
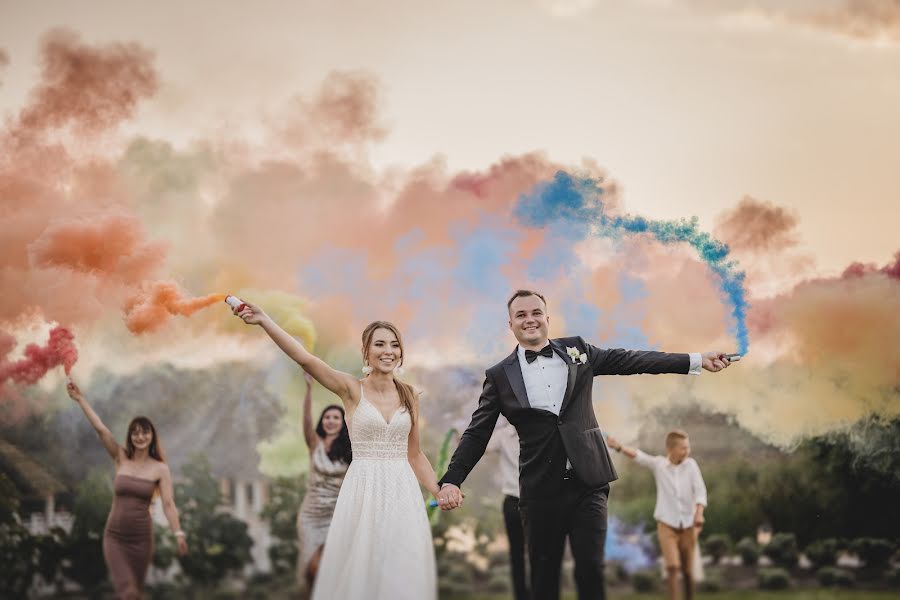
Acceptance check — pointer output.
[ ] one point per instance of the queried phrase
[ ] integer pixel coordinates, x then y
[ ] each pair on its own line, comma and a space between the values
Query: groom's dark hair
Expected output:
522, 294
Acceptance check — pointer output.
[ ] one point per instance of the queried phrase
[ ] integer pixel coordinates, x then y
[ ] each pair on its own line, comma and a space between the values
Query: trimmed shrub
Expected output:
774, 579
782, 550
644, 581
822, 553
717, 546
749, 551
893, 576
712, 583
833, 576
873, 552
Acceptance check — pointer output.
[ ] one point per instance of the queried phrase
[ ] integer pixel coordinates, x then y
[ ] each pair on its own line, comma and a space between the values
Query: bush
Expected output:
782, 550
644, 581
219, 543
717, 546
893, 576
285, 497
84, 561
833, 576
712, 583
774, 579
873, 552
822, 553
748, 551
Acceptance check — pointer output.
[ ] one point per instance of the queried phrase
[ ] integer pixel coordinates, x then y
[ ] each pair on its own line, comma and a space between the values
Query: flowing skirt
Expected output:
379, 545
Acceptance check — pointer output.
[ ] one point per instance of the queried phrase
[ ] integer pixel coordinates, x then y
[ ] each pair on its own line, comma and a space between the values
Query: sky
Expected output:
681, 175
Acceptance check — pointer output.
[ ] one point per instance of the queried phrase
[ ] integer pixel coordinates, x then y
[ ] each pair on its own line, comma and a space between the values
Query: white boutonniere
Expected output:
576, 355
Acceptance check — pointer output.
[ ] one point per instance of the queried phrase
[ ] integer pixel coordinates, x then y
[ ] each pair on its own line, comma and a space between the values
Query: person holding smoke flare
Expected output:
680, 502
379, 544
329, 456
141, 472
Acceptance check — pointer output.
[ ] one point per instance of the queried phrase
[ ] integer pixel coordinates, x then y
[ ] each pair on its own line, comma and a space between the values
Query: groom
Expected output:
544, 389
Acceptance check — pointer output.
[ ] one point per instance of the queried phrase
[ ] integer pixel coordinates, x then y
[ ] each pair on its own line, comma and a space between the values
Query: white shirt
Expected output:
506, 440
679, 489
546, 379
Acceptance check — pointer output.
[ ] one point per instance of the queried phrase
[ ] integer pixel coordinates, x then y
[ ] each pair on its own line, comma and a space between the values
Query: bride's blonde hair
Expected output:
404, 390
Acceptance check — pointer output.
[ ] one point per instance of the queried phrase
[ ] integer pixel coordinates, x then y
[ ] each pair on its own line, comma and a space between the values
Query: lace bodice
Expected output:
373, 437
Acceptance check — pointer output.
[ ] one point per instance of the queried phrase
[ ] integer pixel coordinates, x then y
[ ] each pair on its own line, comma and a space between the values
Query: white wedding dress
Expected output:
379, 544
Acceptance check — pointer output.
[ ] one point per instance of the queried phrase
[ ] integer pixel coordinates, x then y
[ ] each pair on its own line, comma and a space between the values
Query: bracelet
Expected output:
180, 534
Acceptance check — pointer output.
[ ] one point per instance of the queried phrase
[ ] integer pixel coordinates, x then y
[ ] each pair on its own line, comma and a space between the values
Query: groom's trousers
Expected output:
579, 513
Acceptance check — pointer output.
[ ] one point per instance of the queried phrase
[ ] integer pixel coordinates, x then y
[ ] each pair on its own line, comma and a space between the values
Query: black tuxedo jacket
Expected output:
547, 440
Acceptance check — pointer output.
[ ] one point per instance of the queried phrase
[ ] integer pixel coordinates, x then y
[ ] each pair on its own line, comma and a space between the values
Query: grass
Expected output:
839, 594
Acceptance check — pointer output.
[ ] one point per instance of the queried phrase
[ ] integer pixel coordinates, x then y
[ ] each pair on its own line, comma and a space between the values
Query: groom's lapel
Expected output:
560, 349
516, 381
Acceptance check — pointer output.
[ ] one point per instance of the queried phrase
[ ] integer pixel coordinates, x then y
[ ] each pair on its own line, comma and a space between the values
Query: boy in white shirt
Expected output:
680, 501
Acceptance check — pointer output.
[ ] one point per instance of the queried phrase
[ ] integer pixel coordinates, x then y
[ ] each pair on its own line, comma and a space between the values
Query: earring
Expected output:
399, 370
367, 369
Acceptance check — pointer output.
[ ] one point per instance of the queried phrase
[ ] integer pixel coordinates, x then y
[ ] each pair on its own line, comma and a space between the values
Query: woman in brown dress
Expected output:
141, 471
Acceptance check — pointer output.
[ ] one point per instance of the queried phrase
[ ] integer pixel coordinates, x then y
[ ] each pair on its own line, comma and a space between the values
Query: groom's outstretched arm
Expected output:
615, 361
475, 439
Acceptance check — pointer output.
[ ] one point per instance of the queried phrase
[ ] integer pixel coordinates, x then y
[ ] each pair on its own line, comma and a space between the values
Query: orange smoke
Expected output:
757, 226
151, 308
111, 245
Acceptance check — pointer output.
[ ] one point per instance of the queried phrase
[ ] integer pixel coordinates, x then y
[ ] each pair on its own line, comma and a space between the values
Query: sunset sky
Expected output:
689, 108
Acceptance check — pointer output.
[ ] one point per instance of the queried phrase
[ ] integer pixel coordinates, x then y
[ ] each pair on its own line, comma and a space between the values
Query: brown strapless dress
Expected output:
128, 537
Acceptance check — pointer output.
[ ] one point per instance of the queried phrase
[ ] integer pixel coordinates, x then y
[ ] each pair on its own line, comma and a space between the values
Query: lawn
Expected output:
840, 594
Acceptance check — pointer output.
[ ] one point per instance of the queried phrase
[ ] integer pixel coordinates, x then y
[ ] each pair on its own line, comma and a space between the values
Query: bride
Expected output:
379, 545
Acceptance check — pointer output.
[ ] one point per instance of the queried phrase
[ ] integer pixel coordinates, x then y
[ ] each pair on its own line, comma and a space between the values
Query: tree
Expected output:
218, 542
84, 562
285, 496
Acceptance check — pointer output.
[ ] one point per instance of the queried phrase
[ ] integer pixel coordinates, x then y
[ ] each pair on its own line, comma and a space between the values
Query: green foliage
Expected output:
892, 576
84, 561
822, 553
711, 583
833, 576
23, 556
219, 543
165, 547
782, 550
774, 579
717, 546
748, 551
873, 552
285, 496
440, 466
645, 581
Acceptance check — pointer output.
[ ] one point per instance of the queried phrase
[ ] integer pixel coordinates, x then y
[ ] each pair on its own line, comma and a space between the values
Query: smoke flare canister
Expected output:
235, 303
733, 357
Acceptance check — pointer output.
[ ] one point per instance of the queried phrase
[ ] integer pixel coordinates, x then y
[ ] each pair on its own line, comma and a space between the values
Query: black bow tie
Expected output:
531, 355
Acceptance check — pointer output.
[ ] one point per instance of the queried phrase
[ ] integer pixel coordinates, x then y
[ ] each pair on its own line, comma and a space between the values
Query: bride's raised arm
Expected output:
343, 384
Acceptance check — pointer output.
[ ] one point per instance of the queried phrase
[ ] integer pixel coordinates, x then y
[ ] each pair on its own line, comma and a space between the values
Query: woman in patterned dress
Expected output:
329, 457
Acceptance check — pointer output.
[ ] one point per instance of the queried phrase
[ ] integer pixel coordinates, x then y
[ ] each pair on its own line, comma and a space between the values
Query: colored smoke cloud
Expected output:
112, 221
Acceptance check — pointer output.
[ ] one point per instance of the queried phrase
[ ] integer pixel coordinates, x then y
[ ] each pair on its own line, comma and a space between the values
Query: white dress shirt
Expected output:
679, 489
546, 379
507, 441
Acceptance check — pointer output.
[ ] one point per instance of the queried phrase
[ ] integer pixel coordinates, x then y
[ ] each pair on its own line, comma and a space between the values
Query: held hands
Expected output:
613, 443
251, 314
715, 361
449, 497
